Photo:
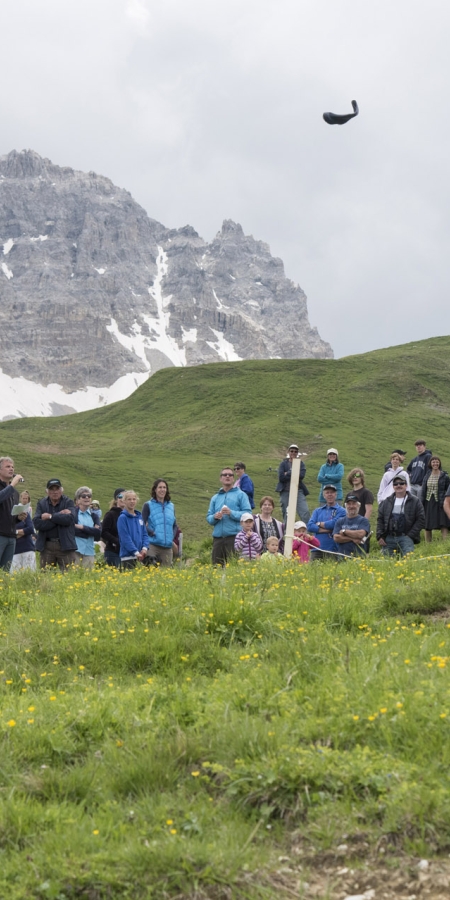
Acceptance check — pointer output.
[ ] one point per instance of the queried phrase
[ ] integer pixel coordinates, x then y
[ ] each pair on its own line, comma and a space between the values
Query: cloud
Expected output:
211, 111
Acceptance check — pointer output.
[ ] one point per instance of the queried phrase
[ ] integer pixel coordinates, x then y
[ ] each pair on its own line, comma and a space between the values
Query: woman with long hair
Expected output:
159, 517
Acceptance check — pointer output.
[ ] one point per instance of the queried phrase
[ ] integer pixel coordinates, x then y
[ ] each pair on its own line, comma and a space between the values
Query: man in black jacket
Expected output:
55, 524
8, 498
284, 484
418, 466
401, 518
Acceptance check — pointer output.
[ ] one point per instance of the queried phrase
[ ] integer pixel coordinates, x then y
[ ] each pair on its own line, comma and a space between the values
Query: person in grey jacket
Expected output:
401, 518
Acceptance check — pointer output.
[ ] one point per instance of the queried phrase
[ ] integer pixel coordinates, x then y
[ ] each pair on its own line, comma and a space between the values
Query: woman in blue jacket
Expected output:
159, 517
132, 533
332, 472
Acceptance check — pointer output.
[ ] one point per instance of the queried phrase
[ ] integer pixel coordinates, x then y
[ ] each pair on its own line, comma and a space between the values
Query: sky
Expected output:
212, 109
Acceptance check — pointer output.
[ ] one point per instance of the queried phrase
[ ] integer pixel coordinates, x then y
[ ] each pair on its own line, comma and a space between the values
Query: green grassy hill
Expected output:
184, 424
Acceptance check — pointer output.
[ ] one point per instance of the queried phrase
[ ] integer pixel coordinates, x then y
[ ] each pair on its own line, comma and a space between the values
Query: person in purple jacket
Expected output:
247, 543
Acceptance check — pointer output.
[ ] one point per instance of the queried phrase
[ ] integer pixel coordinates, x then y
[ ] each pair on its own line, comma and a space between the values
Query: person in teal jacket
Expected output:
224, 513
159, 517
332, 472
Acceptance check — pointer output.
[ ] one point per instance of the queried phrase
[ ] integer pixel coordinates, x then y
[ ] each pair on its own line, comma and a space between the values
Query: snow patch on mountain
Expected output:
20, 397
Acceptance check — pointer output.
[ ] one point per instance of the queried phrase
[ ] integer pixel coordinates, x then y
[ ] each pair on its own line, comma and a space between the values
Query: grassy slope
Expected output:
168, 734
183, 424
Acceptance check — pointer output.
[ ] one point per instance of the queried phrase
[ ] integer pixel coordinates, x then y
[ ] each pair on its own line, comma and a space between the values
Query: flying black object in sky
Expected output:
334, 119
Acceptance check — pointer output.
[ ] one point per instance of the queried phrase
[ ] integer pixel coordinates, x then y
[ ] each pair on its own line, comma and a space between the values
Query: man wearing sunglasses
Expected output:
224, 514
401, 518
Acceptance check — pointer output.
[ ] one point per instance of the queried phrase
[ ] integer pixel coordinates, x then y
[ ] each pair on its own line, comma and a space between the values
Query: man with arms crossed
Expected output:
8, 498
401, 518
224, 513
55, 524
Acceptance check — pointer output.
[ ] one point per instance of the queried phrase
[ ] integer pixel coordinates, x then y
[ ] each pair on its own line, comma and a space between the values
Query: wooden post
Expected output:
292, 507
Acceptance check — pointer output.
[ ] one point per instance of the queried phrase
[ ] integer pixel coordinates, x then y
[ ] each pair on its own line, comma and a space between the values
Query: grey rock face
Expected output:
92, 288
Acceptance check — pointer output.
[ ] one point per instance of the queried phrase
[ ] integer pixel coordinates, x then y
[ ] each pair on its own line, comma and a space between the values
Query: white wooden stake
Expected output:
292, 507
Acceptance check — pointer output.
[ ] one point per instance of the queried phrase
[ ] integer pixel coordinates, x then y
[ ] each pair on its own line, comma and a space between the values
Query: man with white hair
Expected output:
350, 532
9, 497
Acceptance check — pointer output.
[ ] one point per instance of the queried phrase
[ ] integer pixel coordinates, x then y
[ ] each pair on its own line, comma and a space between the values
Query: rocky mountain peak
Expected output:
96, 296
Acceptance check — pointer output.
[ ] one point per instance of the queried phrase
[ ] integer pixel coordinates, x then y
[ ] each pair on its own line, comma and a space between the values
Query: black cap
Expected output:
350, 497
328, 487
54, 482
118, 491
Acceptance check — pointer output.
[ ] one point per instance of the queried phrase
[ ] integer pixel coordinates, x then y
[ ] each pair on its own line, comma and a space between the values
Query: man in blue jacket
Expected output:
322, 523
244, 482
224, 513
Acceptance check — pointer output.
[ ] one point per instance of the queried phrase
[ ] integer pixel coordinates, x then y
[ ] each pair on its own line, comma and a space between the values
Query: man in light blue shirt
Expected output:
224, 513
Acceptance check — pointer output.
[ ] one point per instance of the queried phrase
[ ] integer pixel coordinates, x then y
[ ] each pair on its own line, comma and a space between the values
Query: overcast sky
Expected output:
212, 109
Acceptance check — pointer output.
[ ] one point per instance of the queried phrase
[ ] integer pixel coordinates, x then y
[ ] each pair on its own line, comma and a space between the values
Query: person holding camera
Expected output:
9, 497
401, 518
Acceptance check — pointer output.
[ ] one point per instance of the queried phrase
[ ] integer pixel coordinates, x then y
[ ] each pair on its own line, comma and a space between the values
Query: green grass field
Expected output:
185, 424
250, 734
173, 733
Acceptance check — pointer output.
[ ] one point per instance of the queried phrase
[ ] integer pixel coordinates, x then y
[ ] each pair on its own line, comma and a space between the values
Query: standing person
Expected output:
351, 531
224, 513
55, 524
9, 497
418, 466
284, 484
435, 484
322, 523
87, 528
273, 556
356, 479
159, 518
25, 552
401, 454
247, 543
244, 482
400, 519
266, 525
386, 488
95, 506
133, 535
110, 535
25, 500
332, 472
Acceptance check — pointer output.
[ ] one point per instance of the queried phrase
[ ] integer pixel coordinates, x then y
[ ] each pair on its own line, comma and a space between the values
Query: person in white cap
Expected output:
332, 472
247, 542
303, 542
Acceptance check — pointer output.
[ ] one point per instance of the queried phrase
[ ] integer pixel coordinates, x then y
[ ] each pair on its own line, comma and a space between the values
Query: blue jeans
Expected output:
7, 547
401, 544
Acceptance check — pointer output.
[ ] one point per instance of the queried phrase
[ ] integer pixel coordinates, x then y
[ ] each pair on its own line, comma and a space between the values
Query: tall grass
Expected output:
166, 732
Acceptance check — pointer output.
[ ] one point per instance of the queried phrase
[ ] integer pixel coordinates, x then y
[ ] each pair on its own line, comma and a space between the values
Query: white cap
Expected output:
246, 516
300, 525
332, 450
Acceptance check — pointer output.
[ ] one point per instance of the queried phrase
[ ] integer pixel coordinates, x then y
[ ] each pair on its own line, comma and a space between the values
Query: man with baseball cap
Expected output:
401, 518
350, 532
55, 524
284, 484
322, 523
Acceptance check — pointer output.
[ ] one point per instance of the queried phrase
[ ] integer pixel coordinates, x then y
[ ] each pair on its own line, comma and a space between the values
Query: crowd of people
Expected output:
65, 531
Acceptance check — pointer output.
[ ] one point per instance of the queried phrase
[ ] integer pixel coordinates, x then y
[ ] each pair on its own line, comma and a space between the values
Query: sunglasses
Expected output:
399, 483
85, 496
227, 475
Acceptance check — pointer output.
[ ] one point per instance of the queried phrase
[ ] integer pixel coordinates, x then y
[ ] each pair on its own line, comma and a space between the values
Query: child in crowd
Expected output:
272, 555
247, 542
302, 543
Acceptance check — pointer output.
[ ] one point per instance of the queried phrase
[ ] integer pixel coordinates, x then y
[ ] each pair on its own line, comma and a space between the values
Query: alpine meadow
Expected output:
249, 732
